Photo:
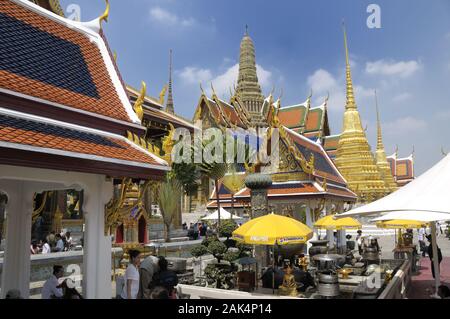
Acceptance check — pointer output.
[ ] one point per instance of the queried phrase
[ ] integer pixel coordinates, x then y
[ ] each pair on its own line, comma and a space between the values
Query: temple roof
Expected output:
60, 61
402, 169
37, 135
280, 190
63, 104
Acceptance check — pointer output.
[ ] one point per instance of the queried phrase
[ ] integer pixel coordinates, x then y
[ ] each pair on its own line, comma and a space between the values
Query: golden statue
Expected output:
138, 105
303, 262
168, 144
162, 95
289, 286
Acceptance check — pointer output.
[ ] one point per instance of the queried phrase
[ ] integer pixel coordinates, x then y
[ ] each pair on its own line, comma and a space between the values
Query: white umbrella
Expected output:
223, 215
419, 200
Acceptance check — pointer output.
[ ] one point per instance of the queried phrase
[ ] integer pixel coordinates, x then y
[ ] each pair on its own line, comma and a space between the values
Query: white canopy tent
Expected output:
424, 199
428, 193
223, 215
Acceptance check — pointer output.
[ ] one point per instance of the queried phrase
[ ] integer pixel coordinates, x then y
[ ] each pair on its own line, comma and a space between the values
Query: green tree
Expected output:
188, 175
170, 193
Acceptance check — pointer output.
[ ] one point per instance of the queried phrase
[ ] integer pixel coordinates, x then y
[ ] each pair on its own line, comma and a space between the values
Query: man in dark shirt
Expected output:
430, 254
166, 278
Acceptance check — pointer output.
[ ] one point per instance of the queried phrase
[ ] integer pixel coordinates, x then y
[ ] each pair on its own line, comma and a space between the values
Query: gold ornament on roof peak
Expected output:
105, 15
162, 94
138, 106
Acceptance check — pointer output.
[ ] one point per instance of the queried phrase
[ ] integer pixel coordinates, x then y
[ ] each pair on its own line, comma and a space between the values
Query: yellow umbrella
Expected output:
401, 224
273, 230
331, 222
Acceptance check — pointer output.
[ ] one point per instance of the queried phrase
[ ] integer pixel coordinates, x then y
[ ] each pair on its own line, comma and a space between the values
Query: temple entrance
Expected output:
119, 235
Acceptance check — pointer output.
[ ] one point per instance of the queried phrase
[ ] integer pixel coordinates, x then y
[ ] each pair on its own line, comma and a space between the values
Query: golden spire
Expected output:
381, 160
354, 157
348, 74
380, 145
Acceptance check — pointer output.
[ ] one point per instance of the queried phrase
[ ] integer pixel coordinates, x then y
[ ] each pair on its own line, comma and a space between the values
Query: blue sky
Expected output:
299, 46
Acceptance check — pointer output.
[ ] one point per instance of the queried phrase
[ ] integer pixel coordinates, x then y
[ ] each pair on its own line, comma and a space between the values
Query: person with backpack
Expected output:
166, 278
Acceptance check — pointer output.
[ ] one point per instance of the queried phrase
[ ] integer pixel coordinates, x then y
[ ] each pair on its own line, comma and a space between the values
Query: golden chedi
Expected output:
354, 157
381, 159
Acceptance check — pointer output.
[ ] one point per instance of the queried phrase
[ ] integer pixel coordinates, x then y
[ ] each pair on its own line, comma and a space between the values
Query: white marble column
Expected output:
310, 206
97, 246
16, 263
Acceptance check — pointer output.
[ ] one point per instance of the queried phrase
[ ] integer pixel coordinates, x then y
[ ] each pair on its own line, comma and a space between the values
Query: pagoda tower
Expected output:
169, 106
354, 157
248, 88
380, 156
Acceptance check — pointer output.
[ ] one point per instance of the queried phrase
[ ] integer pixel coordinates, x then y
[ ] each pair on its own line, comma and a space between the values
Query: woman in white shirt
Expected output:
131, 285
46, 247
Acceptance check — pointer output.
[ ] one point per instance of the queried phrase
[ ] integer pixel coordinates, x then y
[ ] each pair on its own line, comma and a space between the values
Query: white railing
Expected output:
196, 292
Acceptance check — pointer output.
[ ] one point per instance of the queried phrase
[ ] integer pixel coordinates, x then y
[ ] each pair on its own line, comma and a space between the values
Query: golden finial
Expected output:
443, 152
325, 184
281, 93
162, 95
105, 15
213, 91
138, 106
350, 95
273, 90
115, 56
201, 89
379, 135
396, 151
413, 151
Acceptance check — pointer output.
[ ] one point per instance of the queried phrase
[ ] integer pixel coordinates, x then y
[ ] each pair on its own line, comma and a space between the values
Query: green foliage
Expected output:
217, 249
169, 195
209, 240
231, 256
198, 251
227, 227
221, 276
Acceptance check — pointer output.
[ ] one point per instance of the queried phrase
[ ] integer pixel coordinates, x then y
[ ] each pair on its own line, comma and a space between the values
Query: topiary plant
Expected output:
231, 256
199, 251
227, 227
217, 249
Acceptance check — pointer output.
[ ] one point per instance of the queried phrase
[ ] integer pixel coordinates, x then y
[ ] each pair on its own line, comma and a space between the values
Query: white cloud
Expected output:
322, 81
390, 67
402, 97
194, 75
222, 82
167, 18
404, 126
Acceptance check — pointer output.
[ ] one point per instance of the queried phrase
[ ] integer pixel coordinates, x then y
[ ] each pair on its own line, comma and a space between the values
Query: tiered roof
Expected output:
63, 104
402, 169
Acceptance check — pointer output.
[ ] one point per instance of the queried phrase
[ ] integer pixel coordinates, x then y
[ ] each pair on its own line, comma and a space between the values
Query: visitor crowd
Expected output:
52, 243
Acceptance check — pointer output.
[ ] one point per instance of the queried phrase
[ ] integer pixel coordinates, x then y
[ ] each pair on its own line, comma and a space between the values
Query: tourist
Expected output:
422, 244
430, 255
59, 244
359, 241
131, 279
69, 241
196, 231
166, 278
34, 249
200, 230
46, 249
149, 267
51, 239
185, 226
204, 232
52, 289
159, 293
